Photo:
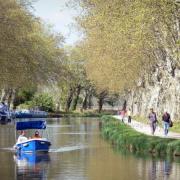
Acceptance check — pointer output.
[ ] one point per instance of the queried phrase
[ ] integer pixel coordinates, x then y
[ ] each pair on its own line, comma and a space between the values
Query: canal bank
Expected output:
126, 137
87, 113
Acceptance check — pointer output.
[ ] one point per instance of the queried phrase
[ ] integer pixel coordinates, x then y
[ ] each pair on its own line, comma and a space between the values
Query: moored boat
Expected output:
6, 114
3, 117
24, 113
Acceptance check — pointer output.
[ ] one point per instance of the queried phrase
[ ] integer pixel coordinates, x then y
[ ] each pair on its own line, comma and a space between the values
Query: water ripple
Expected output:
68, 148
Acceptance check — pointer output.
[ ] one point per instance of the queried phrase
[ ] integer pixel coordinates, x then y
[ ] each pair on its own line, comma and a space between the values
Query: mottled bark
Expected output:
69, 99
124, 105
76, 98
90, 104
11, 100
4, 93
101, 98
84, 105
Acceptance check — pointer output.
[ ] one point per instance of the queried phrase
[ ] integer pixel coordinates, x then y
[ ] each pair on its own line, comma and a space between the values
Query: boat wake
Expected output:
67, 149
57, 126
10, 149
79, 133
59, 150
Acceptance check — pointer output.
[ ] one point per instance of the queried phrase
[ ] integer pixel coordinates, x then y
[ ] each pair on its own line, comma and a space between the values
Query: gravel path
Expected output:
145, 128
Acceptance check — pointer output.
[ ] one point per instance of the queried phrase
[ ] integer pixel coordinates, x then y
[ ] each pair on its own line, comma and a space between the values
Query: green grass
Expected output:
176, 127
125, 137
87, 113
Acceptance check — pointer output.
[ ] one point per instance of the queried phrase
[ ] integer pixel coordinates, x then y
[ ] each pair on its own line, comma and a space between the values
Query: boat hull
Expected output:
26, 115
35, 145
3, 118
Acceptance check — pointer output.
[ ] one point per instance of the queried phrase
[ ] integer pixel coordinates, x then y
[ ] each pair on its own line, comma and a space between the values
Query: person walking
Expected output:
123, 112
129, 115
166, 118
152, 120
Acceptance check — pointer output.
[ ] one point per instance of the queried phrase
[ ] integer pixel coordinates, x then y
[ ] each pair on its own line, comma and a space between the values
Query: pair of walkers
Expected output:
124, 113
153, 121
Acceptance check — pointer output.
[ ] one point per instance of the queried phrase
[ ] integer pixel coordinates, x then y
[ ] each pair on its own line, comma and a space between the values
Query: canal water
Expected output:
78, 152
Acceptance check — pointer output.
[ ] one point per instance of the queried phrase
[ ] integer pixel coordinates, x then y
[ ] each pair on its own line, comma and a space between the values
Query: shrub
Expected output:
44, 102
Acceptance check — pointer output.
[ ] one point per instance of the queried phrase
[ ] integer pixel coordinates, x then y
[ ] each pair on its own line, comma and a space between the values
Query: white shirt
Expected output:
129, 113
21, 139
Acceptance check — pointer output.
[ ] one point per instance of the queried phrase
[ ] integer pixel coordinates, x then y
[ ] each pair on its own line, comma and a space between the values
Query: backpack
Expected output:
170, 124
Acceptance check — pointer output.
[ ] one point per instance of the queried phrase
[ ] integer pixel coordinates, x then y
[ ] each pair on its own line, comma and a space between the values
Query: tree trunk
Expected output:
75, 102
101, 99
58, 106
69, 99
90, 101
100, 104
13, 95
84, 106
4, 94
124, 105
9, 96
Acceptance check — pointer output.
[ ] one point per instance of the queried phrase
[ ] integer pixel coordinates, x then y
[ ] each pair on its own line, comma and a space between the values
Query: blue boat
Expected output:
6, 114
34, 144
3, 117
24, 113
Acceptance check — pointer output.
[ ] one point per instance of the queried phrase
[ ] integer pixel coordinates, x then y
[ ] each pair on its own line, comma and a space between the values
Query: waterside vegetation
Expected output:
87, 113
125, 137
37, 69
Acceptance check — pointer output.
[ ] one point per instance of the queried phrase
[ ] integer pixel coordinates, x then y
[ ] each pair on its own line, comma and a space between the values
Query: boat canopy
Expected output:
30, 125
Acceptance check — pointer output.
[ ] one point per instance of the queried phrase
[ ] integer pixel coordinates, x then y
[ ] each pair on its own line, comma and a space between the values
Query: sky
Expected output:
56, 13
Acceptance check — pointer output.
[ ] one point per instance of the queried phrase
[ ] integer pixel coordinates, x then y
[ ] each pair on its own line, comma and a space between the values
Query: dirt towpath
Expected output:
145, 128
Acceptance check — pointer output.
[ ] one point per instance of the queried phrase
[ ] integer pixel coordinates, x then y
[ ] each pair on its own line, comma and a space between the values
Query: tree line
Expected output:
124, 39
33, 56
30, 53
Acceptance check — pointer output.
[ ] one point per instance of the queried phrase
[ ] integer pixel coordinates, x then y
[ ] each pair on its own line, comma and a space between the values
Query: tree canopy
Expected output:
124, 38
29, 52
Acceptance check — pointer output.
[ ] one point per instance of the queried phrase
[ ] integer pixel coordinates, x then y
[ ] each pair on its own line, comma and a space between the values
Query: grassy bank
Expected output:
125, 137
81, 114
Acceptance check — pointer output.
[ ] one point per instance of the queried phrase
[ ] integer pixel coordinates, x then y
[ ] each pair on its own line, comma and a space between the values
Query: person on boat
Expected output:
152, 120
22, 137
36, 135
166, 118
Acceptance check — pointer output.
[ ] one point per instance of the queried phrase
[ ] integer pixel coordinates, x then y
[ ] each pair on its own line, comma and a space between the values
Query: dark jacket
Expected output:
166, 117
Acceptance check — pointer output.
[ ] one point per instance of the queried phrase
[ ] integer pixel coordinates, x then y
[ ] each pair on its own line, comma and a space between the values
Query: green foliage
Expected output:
43, 102
124, 39
75, 80
30, 52
112, 99
126, 137
24, 95
26, 105
176, 126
